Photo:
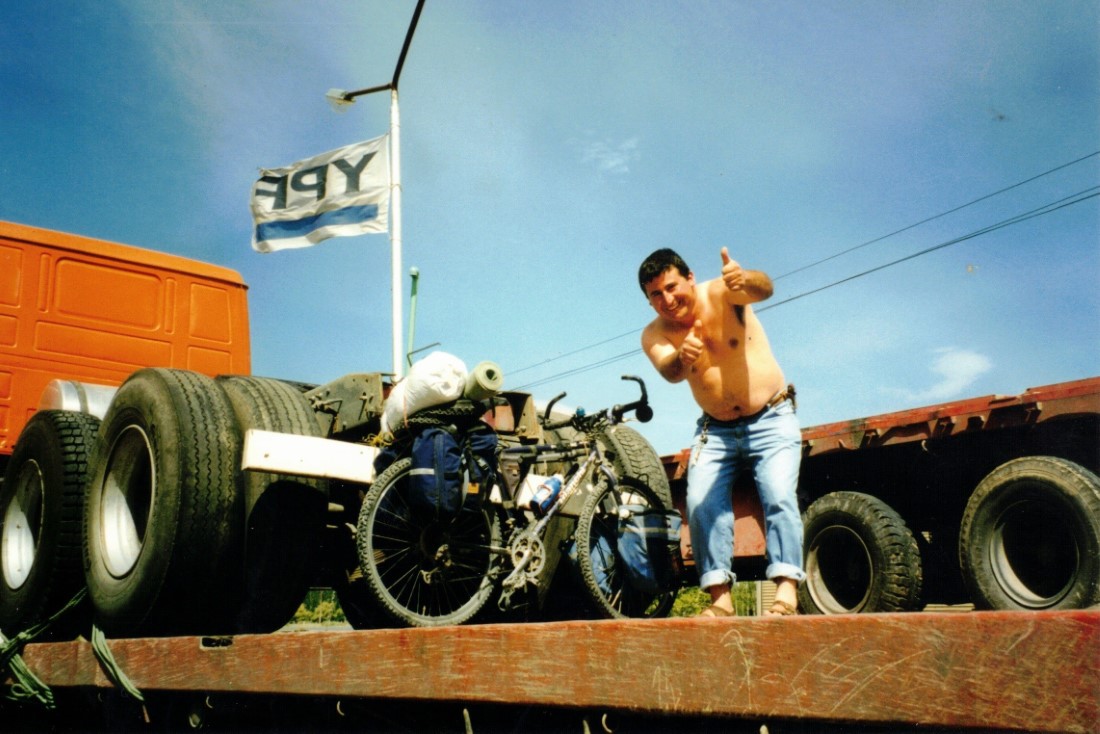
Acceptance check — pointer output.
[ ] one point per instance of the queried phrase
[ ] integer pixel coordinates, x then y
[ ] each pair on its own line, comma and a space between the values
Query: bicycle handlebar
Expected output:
615, 414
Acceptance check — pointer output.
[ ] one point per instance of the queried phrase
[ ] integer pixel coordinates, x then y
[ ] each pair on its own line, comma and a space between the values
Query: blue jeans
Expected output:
769, 445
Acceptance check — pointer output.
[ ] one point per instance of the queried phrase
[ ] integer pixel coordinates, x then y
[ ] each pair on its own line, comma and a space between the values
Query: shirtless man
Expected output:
707, 334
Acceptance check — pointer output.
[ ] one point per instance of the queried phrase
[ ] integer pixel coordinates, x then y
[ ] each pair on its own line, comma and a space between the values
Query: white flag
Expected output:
336, 194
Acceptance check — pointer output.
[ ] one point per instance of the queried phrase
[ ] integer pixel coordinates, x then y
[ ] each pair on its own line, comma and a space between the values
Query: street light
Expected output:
341, 100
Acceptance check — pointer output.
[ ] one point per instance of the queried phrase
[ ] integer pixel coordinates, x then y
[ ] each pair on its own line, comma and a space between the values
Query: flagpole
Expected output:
395, 231
340, 97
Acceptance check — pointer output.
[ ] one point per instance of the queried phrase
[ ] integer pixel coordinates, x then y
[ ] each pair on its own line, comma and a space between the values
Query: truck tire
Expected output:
629, 452
284, 515
163, 517
633, 456
41, 520
860, 557
1030, 536
353, 592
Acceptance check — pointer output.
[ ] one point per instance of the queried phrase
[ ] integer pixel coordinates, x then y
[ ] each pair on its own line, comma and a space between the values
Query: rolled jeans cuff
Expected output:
716, 578
785, 570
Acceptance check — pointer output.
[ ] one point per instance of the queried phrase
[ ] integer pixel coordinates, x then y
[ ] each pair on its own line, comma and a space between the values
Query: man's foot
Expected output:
715, 611
786, 598
781, 608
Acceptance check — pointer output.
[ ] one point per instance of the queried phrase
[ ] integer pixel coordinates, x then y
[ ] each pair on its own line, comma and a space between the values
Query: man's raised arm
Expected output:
742, 286
672, 362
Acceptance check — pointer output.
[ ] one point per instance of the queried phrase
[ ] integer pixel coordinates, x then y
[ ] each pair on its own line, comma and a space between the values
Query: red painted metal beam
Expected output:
1036, 405
998, 670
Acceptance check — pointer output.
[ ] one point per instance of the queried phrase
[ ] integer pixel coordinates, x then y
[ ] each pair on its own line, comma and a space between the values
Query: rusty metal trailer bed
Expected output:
979, 670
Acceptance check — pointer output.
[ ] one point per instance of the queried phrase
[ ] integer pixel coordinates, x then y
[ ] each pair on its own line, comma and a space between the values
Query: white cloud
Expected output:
958, 369
611, 157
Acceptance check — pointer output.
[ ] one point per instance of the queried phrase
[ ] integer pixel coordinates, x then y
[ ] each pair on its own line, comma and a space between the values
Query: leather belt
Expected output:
787, 393
779, 397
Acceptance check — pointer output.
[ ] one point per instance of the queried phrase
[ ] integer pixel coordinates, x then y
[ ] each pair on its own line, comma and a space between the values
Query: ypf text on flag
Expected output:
340, 193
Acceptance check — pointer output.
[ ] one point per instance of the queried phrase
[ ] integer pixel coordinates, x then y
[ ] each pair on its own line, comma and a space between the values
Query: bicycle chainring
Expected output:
523, 544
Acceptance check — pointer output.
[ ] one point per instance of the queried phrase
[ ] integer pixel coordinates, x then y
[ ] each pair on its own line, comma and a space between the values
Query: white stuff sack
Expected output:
435, 379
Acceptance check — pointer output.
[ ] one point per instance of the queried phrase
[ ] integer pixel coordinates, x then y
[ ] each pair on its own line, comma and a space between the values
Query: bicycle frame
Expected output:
593, 461
526, 545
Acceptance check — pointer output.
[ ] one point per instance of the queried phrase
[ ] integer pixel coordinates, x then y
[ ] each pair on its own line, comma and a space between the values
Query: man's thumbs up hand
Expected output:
732, 274
692, 346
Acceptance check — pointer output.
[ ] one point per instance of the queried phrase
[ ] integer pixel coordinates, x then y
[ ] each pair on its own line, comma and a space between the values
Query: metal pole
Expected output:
395, 230
414, 276
339, 97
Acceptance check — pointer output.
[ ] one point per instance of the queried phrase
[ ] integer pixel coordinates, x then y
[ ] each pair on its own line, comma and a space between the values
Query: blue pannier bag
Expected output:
649, 548
480, 444
386, 456
435, 479
441, 456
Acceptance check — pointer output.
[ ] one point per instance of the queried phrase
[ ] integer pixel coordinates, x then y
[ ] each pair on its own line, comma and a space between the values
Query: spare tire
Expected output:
1030, 536
629, 453
633, 456
284, 515
860, 557
163, 514
41, 520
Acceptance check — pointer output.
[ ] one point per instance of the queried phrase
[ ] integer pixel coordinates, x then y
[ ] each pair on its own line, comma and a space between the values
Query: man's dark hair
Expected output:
657, 263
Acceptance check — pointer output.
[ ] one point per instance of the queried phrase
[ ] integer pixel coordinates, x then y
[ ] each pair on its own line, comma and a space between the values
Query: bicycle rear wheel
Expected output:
424, 573
601, 567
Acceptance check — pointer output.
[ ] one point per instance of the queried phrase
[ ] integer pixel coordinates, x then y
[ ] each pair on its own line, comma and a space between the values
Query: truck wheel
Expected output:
353, 591
632, 456
284, 515
860, 557
1030, 536
163, 516
629, 453
41, 525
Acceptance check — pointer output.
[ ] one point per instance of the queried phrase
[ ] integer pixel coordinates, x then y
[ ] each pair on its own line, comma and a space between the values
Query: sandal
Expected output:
714, 612
780, 608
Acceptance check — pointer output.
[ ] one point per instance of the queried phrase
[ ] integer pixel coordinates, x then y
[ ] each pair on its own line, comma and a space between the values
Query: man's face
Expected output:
673, 296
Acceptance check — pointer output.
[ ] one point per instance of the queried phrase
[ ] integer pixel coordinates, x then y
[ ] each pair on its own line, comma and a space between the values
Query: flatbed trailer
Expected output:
991, 500
1034, 406
989, 671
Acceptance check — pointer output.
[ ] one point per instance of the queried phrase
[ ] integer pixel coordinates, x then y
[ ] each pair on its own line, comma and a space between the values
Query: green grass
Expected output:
321, 607
691, 600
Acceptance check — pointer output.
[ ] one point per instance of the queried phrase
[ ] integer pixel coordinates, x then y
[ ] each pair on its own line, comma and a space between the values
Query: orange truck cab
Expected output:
79, 315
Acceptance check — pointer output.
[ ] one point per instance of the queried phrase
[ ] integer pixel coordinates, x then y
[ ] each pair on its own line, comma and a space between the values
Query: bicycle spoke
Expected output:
607, 581
423, 572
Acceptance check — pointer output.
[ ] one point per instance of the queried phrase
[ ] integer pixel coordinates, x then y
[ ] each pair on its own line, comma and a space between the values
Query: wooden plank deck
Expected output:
991, 670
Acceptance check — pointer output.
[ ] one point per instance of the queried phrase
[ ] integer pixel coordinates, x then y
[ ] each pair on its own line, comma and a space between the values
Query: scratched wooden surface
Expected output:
1026, 671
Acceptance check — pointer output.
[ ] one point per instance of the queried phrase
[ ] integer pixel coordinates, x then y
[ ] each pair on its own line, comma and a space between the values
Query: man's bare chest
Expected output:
726, 332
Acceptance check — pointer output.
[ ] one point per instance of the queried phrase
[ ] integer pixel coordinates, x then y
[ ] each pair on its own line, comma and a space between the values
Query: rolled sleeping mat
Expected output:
483, 381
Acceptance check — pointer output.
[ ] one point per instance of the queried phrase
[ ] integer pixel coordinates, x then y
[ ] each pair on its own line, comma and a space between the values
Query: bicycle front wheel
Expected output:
423, 572
605, 578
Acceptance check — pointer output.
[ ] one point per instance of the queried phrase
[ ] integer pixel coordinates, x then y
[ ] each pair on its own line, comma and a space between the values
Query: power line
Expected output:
575, 351
827, 259
1046, 209
579, 370
1049, 208
938, 216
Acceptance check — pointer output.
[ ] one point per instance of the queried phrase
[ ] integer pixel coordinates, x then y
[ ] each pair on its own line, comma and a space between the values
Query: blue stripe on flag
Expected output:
302, 227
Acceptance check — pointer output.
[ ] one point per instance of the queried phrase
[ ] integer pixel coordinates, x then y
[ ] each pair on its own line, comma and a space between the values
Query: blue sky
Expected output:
548, 147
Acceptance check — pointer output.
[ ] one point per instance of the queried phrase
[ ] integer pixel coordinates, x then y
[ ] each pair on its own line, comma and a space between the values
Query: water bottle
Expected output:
545, 495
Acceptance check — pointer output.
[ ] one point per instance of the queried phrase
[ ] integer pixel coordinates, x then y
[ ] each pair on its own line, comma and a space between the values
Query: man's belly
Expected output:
722, 397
